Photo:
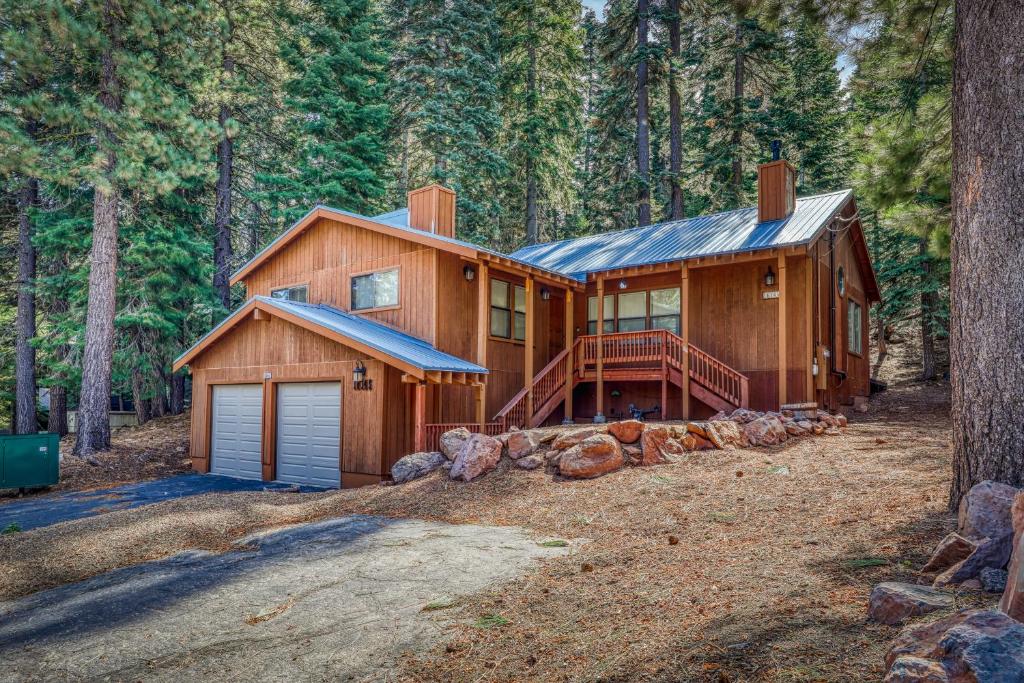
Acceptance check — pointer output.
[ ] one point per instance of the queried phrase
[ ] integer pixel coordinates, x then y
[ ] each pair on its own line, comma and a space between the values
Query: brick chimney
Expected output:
776, 188
432, 209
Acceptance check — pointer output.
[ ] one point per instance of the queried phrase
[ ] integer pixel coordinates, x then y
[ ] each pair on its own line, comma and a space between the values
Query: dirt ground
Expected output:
743, 565
158, 448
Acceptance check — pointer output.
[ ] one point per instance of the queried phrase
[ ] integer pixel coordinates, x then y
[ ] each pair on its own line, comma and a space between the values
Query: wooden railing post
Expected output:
481, 398
420, 417
568, 356
528, 344
599, 415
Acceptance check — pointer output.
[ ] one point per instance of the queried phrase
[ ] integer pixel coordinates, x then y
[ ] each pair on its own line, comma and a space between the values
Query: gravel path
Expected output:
341, 599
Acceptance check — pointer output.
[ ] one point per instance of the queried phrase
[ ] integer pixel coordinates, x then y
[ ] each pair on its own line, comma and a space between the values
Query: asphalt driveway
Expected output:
44, 510
341, 599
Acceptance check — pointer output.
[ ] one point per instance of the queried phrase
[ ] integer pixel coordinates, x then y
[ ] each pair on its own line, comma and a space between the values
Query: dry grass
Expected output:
768, 580
156, 449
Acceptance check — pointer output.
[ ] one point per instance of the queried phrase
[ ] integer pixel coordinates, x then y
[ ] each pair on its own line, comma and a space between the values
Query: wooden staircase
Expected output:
628, 356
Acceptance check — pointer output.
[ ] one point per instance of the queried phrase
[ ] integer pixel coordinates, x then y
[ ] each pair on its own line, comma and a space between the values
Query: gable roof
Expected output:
379, 341
716, 234
396, 224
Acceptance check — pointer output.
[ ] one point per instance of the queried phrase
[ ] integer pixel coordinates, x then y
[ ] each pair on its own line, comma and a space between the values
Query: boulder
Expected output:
892, 602
573, 438
478, 455
594, 456
632, 453
451, 442
765, 431
817, 428
985, 511
521, 444
743, 416
993, 580
973, 646
950, 550
725, 434
627, 431
529, 462
416, 465
991, 552
794, 429
658, 446
841, 420
1012, 601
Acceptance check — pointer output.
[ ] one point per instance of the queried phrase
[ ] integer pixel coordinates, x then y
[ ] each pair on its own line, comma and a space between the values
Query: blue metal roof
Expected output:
388, 341
720, 233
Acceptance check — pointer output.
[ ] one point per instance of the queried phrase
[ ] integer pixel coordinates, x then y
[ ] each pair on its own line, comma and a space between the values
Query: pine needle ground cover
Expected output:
752, 564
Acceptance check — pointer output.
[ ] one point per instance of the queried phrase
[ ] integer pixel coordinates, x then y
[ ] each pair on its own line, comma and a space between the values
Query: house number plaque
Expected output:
770, 295
363, 385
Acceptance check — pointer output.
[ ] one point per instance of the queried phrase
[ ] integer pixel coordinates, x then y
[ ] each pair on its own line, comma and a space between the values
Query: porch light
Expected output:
623, 284
769, 278
358, 373
545, 293
468, 273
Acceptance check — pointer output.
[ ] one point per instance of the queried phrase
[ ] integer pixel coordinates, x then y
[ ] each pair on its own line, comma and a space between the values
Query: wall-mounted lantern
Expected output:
468, 273
769, 278
545, 293
359, 381
623, 284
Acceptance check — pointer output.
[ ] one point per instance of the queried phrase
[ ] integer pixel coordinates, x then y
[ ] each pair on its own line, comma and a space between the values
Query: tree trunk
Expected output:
58, 421
222, 217
177, 393
643, 133
25, 421
93, 427
739, 76
987, 286
929, 301
675, 116
139, 400
532, 235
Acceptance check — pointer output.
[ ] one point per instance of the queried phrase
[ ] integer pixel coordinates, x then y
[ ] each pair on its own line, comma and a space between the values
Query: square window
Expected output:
375, 290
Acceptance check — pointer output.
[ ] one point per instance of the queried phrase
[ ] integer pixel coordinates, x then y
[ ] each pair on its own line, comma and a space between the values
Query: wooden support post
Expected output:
809, 314
420, 417
483, 322
599, 416
480, 397
664, 376
782, 331
528, 361
684, 332
569, 360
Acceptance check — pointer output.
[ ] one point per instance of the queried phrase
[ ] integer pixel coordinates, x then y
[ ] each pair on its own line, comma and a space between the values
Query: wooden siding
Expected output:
329, 253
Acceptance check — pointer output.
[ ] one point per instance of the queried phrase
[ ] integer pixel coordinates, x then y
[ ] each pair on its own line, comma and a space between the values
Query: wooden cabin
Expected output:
365, 338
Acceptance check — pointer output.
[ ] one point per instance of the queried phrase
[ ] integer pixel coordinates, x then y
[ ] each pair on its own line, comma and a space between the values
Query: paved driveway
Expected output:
336, 600
44, 510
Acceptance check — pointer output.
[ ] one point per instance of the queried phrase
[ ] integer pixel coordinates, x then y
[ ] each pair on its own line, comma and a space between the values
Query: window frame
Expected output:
611, 321
859, 352
301, 285
511, 313
370, 273
678, 315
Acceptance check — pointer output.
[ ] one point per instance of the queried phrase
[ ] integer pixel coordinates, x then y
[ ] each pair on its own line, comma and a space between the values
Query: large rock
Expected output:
724, 434
478, 455
573, 438
991, 552
743, 416
765, 431
794, 429
530, 462
658, 446
993, 580
950, 550
451, 442
594, 456
975, 646
627, 431
1012, 601
891, 603
985, 511
521, 444
416, 465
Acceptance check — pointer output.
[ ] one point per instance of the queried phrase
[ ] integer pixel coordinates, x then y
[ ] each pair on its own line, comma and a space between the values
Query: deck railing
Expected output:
434, 431
546, 383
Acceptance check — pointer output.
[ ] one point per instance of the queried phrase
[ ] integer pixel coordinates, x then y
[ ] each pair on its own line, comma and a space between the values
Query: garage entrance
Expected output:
309, 433
235, 443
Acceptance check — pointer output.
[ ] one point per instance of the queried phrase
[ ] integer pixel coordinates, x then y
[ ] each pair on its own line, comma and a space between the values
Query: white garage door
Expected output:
237, 421
309, 433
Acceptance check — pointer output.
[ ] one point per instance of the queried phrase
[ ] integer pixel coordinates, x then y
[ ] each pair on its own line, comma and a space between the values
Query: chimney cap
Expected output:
776, 147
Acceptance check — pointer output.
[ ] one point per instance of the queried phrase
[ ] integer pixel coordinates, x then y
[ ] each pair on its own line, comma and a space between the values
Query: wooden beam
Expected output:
809, 314
481, 414
528, 348
483, 313
599, 416
569, 356
434, 376
261, 315
684, 332
782, 330
420, 417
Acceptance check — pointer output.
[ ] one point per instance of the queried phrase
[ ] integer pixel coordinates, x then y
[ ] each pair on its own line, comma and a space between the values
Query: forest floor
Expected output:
744, 565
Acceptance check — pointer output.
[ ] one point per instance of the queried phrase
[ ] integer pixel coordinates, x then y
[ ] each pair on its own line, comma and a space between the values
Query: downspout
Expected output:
832, 305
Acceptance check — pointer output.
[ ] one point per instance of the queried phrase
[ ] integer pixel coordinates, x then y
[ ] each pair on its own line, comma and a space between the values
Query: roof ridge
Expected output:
622, 231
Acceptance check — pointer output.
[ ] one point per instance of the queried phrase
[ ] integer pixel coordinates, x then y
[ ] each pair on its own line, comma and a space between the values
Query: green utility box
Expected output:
29, 460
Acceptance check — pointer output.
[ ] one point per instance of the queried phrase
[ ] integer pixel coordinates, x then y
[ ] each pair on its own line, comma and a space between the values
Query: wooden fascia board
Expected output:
539, 274
426, 239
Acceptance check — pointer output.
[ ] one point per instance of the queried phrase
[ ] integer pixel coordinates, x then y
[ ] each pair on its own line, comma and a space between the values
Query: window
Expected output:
632, 311
854, 327
609, 314
375, 290
665, 309
841, 281
508, 310
297, 293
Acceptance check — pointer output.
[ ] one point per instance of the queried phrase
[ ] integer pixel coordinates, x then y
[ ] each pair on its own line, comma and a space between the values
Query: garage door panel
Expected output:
236, 425
309, 433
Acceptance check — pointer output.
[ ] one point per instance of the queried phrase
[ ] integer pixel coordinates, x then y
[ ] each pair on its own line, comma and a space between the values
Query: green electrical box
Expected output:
29, 460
